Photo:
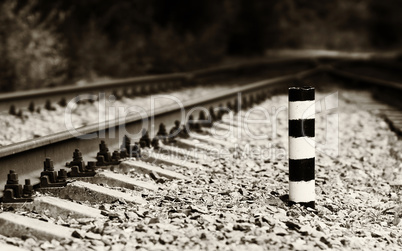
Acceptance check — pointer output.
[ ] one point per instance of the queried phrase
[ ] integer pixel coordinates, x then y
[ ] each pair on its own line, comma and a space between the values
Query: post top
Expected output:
305, 88
303, 93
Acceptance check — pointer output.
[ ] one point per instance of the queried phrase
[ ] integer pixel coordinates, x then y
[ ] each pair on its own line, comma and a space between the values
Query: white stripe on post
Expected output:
302, 109
302, 146
303, 189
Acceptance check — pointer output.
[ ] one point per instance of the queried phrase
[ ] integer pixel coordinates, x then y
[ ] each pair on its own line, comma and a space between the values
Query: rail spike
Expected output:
155, 143
13, 191
204, 120
62, 102
175, 132
104, 158
50, 178
236, 107
220, 113
136, 151
244, 103
193, 125
12, 110
31, 107
162, 133
212, 114
145, 141
48, 106
229, 105
125, 148
78, 168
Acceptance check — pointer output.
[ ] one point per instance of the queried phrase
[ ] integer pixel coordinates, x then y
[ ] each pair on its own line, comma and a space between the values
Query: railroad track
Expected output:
240, 73
40, 160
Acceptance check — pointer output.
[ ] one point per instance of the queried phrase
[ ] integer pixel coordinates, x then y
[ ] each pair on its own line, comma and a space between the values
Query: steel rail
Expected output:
251, 65
349, 64
22, 95
23, 98
366, 79
26, 158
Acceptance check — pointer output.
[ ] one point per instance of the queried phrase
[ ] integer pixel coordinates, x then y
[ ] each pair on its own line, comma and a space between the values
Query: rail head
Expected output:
6, 97
137, 81
374, 81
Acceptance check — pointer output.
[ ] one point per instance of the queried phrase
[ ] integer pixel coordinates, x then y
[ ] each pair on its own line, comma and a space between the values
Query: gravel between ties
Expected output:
234, 202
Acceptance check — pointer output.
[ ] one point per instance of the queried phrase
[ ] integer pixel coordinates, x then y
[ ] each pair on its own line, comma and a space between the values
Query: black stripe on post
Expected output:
301, 128
301, 169
310, 204
301, 93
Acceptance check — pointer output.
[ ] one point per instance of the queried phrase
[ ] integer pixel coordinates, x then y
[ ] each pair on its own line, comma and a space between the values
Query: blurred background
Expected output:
53, 43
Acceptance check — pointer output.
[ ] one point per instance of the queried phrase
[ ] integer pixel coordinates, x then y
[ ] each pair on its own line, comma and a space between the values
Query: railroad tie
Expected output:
143, 167
171, 160
179, 151
210, 139
9, 247
302, 146
18, 226
56, 207
83, 191
194, 143
113, 179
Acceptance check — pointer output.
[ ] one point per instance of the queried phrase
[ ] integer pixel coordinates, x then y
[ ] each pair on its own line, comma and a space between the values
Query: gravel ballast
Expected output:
238, 201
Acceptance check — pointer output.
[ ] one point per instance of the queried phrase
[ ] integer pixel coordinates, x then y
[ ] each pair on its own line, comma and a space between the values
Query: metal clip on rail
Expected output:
48, 106
204, 121
50, 178
115, 156
175, 132
251, 100
244, 103
236, 105
117, 95
155, 143
13, 110
127, 92
14, 193
193, 125
136, 153
128, 150
104, 158
212, 114
162, 133
125, 147
229, 106
183, 133
78, 168
221, 112
31, 107
62, 102
145, 141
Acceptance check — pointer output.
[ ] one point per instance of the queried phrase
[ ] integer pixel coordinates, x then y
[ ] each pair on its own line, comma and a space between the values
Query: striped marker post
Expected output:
302, 146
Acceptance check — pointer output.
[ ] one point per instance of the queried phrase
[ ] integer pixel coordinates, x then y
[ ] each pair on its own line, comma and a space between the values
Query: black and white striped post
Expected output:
302, 146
